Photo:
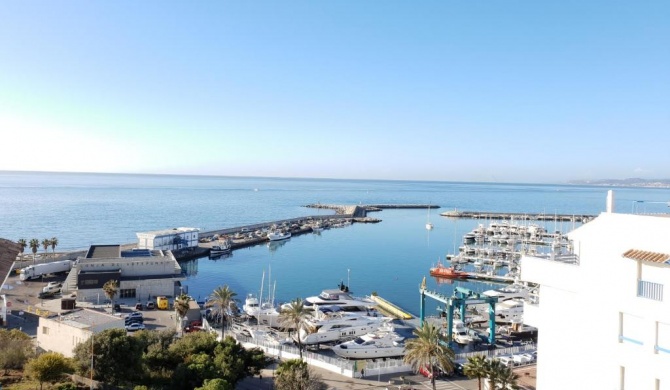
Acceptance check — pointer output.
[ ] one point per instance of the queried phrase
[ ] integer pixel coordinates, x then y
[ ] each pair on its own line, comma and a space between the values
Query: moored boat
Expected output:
338, 326
220, 250
382, 343
278, 235
447, 272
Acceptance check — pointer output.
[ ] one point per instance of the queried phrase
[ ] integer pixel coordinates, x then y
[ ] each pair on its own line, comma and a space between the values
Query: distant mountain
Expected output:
630, 182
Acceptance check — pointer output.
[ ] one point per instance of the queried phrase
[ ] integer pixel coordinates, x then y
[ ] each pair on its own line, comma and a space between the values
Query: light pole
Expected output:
348, 282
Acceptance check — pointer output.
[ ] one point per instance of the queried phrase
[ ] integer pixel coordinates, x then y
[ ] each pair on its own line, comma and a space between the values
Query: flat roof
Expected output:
85, 318
168, 232
103, 251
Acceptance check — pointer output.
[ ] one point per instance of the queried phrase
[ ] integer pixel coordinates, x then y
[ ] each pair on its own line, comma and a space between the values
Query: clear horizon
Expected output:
521, 92
568, 182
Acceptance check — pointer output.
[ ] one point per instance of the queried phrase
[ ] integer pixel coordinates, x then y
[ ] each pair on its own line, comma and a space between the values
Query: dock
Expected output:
518, 216
391, 309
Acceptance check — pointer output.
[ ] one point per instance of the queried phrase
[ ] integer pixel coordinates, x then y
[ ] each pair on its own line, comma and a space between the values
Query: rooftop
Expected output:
169, 232
85, 318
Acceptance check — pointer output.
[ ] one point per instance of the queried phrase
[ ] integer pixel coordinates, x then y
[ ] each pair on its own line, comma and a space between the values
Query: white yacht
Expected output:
342, 299
251, 305
504, 294
264, 313
460, 334
509, 310
382, 343
337, 326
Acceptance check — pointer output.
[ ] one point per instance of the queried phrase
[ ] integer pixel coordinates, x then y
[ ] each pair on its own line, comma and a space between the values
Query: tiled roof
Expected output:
652, 257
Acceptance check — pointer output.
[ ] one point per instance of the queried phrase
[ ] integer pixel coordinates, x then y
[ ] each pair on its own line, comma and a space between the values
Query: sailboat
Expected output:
429, 225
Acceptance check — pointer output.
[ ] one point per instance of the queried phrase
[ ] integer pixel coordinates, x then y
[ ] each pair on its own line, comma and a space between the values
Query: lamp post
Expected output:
348, 282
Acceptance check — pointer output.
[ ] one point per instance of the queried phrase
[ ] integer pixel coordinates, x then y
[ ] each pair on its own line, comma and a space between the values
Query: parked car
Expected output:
138, 306
506, 360
117, 307
46, 295
134, 319
135, 326
521, 359
135, 314
151, 306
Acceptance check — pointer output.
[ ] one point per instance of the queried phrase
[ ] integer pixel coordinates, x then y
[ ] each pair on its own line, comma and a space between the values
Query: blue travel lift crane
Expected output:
461, 298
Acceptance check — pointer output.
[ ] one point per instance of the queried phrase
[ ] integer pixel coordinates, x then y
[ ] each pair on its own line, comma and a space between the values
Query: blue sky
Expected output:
511, 91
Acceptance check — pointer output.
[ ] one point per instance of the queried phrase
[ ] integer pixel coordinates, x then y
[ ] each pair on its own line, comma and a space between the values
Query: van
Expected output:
162, 303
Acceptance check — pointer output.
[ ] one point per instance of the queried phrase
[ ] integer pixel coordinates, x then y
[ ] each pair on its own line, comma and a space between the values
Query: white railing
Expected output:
650, 290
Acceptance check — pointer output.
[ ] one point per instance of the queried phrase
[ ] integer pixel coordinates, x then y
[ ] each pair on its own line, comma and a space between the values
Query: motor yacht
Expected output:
382, 343
343, 299
336, 326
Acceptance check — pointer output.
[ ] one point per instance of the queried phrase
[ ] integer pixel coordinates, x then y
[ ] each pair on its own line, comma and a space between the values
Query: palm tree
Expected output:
111, 287
22, 244
429, 349
294, 316
46, 243
476, 368
54, 242
508, 378
493, 370
34, 245
181, 306
220, 299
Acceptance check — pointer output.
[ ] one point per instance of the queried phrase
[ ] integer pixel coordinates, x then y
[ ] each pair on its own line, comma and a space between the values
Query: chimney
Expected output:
610, 202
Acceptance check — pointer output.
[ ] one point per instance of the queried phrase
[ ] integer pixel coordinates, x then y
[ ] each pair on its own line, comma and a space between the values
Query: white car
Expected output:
520, 359
135, 326
135, 314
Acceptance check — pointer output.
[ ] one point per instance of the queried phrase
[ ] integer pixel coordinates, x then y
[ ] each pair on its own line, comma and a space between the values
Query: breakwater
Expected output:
518, 216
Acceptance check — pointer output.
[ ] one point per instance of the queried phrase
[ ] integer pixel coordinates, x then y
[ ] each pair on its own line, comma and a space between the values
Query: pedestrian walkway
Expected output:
383, 382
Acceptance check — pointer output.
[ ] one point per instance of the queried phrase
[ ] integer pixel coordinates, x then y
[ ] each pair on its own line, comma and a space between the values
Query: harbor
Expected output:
467, 331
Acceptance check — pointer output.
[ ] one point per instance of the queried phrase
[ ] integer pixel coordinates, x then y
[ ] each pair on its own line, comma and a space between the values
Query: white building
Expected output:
142, 274
63, 333
168, 239
603, 317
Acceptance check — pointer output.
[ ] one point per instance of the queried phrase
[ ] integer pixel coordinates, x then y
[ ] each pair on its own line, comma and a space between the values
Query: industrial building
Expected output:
142, 274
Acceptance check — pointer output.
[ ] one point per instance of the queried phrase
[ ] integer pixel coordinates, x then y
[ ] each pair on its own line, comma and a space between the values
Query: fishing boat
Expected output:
278, 235
447, 272
383, 343
220, 250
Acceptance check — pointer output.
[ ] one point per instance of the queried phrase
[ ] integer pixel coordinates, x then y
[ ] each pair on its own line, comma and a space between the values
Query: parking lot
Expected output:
26, 306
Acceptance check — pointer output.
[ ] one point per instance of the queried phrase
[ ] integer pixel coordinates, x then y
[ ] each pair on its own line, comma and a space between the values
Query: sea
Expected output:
389, 258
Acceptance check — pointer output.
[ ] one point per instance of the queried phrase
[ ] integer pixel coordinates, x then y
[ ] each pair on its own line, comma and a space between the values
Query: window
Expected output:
127, 293
630, 329
45, 330
662, 338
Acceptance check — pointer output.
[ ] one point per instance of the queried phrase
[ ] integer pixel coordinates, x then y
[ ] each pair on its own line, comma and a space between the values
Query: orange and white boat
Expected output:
447, 272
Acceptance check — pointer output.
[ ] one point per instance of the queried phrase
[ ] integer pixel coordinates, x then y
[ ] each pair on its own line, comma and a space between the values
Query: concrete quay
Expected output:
518, 216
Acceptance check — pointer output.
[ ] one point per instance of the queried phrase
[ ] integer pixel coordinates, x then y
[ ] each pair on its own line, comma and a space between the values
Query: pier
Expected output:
518, 216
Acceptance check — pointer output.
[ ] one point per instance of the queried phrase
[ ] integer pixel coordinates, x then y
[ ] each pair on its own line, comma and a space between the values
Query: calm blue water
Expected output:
390, 257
